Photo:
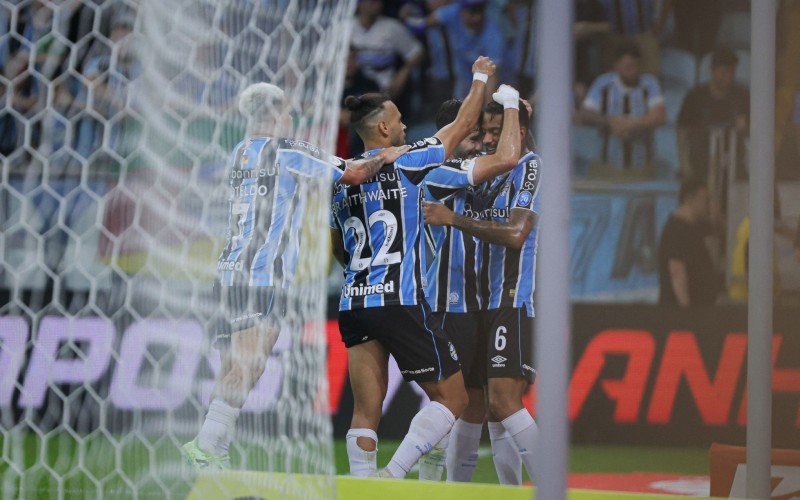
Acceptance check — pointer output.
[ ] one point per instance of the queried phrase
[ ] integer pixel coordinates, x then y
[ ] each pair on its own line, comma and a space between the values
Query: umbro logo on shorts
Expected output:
453, 353
498, 361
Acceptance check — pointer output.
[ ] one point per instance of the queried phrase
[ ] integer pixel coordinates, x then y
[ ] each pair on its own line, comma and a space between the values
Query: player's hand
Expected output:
484, 65
437, 214
528, 107
390, 155
507, 96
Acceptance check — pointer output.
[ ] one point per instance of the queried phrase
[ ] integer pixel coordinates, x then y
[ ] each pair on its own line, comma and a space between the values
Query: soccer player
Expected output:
257, 262
382, 308
452, 287
509, 236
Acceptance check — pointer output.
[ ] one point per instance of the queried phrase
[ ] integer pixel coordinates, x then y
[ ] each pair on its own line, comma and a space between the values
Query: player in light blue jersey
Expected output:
452, 286
383, 310
507, 229
267, 178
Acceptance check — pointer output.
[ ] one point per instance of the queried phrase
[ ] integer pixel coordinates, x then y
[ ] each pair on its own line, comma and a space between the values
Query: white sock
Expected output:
523, 431
505, 454
431, 465
362, 463
427, 428
462, 453
217, 430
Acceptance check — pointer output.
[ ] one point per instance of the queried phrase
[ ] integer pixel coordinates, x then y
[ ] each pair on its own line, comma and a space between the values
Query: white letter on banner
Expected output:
45, 368
13, 337
185, 338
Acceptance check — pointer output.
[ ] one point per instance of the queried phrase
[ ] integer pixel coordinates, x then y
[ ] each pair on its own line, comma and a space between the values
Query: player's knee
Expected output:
457, 401
502, 404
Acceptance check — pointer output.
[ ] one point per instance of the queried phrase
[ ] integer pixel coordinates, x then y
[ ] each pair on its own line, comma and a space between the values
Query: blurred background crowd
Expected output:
660, 98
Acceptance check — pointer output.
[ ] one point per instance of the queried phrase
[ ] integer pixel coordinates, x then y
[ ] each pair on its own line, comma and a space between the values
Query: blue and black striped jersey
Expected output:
508, 275
266, 208
452, 276
381, 222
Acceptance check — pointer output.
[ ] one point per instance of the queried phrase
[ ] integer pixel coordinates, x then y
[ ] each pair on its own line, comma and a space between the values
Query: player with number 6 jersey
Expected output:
376, 233
508, 233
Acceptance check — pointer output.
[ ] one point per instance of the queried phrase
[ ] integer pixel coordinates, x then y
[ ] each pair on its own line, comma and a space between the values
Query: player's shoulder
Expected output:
304, 147
423, 144
527, 171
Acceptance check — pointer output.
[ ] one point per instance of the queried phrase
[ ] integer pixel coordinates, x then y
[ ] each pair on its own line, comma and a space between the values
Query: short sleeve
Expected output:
302, 158
444, 181
423, 156
654, 95
407, 45
594, 96
528, 179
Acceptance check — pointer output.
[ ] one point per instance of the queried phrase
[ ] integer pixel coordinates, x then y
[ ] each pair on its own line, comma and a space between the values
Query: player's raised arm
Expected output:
467, 117
509, 147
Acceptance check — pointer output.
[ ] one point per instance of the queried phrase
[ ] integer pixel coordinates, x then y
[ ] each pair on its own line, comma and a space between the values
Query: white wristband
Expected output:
480, 76
511, 103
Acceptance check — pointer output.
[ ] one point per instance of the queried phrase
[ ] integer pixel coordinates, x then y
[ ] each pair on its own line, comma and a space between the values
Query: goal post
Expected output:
120, 119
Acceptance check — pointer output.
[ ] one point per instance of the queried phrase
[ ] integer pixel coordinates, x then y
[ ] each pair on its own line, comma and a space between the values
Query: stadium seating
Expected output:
587, 146
666, 151
673, 99
678, 67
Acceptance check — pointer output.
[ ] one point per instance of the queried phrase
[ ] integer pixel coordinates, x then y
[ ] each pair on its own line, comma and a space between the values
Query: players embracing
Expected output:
505, 230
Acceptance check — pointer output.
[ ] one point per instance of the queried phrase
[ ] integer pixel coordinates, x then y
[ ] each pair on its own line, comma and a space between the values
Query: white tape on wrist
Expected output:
480, 76
511, 103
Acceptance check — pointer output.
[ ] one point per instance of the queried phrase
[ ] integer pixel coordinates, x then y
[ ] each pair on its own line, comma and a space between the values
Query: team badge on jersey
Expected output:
525, 199
453, 353
453, 298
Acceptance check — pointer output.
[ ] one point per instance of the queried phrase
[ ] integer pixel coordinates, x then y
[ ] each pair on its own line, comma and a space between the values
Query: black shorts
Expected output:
505, 345
244, 307
417, 342
462, 329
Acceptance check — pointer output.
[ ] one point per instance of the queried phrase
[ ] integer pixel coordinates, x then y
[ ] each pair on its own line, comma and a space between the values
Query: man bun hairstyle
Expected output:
364, 106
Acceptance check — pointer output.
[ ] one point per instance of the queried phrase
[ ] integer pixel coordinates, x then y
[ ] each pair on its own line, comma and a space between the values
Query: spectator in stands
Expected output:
387, 51
696, 24
626, 106
686, 272
470, 32
356, 83
633, 20
719, 104
590, 24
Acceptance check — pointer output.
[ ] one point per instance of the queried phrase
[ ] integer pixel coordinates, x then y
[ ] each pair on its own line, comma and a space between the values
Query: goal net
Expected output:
117, 124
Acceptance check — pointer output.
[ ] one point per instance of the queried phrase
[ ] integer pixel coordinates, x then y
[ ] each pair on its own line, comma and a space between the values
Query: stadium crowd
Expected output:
660, 85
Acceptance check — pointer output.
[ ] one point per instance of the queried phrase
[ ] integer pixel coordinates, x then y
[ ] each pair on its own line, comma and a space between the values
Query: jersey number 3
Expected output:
383, 257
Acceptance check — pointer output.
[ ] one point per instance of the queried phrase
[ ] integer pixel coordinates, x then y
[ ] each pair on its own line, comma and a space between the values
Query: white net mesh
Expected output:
116, 125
